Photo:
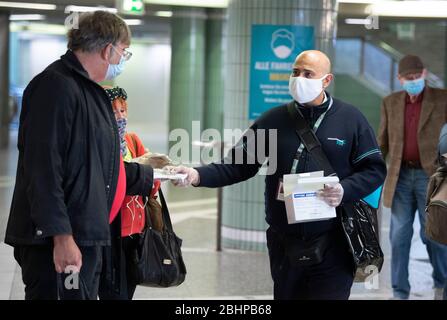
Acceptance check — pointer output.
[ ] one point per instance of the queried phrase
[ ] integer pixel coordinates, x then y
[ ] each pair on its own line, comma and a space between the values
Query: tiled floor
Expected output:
228, 274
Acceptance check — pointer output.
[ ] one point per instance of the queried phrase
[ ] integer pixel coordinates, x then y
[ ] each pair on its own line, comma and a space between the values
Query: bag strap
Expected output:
148, 221
165, 211
309, 139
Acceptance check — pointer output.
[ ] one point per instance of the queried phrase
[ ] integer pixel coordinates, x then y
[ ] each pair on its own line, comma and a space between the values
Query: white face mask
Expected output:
305, 90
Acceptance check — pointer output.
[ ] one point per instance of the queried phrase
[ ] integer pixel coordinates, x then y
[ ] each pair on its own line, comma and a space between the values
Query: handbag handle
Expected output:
148, 222
165, 211
309, 139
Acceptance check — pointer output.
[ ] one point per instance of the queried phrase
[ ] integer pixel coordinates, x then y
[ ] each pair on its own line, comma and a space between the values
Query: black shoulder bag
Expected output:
359, 220
157, 259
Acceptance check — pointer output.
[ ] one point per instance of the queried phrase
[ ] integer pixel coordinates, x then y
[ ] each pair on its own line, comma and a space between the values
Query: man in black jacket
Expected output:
70, 175
350, 144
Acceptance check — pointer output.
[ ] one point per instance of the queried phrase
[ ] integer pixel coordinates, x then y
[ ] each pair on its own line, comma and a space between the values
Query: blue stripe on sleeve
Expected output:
366, 154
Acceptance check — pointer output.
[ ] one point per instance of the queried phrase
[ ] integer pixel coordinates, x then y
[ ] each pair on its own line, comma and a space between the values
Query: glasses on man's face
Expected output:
126, 54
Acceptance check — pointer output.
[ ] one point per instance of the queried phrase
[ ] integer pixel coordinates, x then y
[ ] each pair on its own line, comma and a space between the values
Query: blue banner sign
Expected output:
273, 51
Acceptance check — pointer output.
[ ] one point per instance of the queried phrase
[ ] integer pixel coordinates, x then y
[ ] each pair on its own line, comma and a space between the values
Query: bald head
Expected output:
314, 61
310, 67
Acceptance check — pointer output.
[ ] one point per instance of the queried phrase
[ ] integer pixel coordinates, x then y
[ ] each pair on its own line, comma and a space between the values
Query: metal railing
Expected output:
374, 61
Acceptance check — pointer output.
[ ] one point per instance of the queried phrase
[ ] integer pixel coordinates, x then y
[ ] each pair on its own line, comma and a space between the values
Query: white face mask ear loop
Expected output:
132, 213
138, 202
145, 203
142, 205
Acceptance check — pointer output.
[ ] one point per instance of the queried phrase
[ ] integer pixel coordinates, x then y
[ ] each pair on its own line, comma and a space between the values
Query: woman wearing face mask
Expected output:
124, 231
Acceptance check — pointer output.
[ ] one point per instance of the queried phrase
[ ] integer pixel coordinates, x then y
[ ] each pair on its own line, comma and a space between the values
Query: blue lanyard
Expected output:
301, 147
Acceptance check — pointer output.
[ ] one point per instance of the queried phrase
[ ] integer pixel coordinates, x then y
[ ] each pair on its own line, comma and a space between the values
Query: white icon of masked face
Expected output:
282, 43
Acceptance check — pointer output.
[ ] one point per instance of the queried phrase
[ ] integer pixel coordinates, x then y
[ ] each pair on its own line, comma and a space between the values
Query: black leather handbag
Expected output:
157, 259
358, 219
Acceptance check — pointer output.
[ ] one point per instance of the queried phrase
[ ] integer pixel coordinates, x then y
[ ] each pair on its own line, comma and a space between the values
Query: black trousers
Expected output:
116, 281
42, 282
329, 280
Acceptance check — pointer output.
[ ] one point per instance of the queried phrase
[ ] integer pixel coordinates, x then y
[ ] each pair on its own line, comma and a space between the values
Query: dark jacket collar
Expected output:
311, 113
72, 62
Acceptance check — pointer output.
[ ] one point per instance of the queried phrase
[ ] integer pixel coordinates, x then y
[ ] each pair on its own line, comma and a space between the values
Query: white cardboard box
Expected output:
302, 204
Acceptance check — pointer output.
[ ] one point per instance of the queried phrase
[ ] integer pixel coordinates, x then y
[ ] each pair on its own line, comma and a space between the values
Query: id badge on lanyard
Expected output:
280, 187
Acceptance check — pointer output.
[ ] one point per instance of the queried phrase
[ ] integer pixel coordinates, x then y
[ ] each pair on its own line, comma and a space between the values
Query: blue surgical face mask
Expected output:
414, 87
114, 70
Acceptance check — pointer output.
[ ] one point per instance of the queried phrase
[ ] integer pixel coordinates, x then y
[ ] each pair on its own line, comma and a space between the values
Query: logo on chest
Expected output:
338, 142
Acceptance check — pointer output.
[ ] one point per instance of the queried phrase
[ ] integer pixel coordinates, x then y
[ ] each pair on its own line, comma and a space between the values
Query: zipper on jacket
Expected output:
312, 122
116, 147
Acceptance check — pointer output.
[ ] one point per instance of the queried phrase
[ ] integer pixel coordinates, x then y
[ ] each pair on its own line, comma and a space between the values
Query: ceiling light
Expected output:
40, 28
357, 21
163, 14
27, 5
27, 17
416, 9
357, 1
192, 3
88, 9
133, 22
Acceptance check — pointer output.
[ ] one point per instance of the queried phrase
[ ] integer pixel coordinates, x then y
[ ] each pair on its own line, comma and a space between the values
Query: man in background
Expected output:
411, 121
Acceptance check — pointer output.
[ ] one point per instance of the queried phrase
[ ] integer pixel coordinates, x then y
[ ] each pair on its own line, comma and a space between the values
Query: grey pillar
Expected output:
243, 204
214, 71
445, 56
4, 79
187, 68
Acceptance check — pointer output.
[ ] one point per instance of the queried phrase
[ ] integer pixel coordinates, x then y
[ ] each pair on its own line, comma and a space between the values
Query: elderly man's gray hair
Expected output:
96, 30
